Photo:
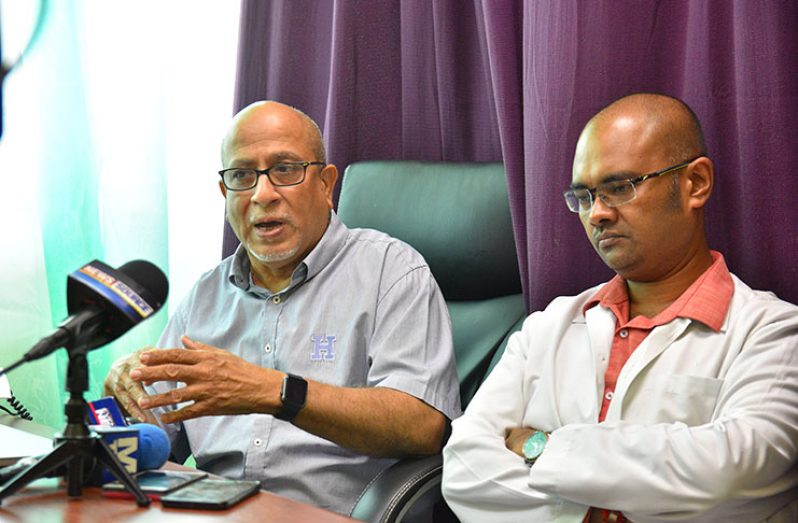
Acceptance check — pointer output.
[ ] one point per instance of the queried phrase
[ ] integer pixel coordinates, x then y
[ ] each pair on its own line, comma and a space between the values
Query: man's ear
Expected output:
700, 179
223, 189
328, 177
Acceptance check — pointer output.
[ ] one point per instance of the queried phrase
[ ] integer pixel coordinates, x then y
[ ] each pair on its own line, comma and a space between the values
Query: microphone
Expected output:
153, 451
103, 304
138, 447
154, 446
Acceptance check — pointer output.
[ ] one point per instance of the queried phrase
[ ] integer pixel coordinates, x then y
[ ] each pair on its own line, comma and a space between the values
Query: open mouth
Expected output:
268, 225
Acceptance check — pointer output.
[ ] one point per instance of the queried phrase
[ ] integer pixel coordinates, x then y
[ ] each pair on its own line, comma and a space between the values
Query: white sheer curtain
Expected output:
112, 129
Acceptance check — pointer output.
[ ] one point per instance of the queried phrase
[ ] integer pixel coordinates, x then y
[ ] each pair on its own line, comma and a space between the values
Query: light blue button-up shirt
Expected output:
362, 310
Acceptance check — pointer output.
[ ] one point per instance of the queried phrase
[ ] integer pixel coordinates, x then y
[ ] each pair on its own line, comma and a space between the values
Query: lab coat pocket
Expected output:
692, 398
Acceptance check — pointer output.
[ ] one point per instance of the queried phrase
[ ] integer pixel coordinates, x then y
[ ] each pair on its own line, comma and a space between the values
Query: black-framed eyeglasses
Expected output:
616, 192
280, 175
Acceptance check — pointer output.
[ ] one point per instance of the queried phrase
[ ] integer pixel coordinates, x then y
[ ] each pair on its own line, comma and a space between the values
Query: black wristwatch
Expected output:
293, 395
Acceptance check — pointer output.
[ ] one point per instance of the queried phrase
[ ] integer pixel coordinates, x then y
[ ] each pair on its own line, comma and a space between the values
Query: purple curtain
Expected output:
734, 62
385, 80
515, 81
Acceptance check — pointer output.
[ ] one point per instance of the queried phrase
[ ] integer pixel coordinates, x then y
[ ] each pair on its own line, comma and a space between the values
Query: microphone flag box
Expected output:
105, 411
106, 419
124, 442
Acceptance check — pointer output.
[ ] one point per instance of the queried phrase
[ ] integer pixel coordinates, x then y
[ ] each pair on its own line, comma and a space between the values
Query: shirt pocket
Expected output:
690, 399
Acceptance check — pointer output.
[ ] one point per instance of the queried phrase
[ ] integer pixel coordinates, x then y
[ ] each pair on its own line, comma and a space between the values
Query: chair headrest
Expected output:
456, 215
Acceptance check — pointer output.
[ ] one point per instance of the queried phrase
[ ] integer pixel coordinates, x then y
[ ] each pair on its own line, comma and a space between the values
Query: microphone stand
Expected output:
77, 445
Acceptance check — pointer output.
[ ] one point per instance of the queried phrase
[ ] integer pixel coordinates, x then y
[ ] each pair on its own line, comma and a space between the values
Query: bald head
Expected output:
665, 120
661, 228
265, 112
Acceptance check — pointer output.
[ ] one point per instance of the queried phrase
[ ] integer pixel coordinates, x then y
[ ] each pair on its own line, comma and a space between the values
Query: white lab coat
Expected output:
703, 426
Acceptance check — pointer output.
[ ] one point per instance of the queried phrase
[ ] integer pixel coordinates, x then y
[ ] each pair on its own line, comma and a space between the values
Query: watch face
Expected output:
295, 391
534, 445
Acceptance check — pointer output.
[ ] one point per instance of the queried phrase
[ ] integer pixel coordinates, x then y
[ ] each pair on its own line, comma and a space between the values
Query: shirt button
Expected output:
267, 349
277, 299
624, 333
609, 396
257, 442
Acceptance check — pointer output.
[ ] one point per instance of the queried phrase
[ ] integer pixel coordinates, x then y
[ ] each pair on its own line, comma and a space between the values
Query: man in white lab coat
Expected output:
668, 393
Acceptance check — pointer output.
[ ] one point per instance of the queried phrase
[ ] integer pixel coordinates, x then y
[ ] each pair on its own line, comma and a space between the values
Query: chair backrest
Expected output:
457, 216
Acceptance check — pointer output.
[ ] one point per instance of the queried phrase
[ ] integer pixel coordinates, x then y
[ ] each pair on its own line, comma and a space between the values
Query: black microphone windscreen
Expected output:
150, 277
103, 304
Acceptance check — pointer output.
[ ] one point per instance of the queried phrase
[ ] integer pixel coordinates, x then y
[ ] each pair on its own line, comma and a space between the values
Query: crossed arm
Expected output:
650, 470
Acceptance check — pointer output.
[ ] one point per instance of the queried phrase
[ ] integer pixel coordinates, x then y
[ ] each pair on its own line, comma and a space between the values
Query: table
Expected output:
44, 501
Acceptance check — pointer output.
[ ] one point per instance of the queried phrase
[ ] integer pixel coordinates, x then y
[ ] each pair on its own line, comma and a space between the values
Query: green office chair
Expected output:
457, 216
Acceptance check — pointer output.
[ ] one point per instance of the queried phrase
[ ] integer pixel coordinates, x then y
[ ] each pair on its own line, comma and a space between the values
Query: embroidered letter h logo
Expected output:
323, 348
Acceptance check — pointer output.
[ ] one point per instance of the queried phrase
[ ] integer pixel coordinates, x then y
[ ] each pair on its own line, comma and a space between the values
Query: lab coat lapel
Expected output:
600, 331
655, 343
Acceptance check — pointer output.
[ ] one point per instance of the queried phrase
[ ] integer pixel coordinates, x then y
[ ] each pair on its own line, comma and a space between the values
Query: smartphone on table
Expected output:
155, 483
213, 494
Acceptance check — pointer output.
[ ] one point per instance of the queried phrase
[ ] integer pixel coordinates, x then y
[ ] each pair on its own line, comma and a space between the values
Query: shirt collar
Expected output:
706, 300
332, 241
325, 250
